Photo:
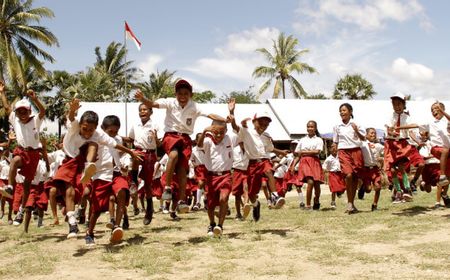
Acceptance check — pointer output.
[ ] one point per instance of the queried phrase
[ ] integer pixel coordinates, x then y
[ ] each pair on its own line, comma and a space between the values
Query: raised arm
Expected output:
33, 97
358, 133
6, 105
231, 119
141, 98
73, 108
201, 139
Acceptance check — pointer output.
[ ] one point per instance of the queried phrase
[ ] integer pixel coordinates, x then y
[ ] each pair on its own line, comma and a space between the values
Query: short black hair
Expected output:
89, 117
149, 108
110, 120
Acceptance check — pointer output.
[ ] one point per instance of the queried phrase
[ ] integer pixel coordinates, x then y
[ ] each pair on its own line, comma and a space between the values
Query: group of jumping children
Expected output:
97, 167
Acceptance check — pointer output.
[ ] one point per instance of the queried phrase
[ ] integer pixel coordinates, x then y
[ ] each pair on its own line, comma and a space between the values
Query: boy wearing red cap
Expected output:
258, 146
181, 113
26, 155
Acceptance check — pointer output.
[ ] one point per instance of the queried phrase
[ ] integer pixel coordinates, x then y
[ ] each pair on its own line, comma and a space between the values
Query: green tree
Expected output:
94, 86
241, 97
353, 87
20, 33
159, 85
283, 61
317, 96
204, 97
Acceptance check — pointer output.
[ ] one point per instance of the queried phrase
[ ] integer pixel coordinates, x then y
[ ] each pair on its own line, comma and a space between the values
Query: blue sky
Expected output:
398, 45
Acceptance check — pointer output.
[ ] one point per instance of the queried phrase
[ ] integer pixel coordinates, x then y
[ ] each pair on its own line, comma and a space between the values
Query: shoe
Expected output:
446, 200
407, 197
174, 216
422, 186
351, 209
307, 208
40, 222
10, 222
246, 211
89, 239
116, 235
35, 215
73, 230
438, 205
165, 210
257, 211
397, 198
302, 205
239, 217
148, 212
217, 231
333, 205
210, 231
316, 206
228, 212
205, 202
277, 201
196, 207
18, 219
167, 194
111, 223
7, 191
443, 181
89, 171
136, 211
374, 207
182, 207
413, 187
82, 219
125, 223
361, 192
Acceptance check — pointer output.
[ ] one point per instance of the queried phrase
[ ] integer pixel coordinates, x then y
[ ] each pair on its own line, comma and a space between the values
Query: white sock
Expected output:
167, 188
300, 197
71, 218
442, 176
275, 193
20, 209
199, 195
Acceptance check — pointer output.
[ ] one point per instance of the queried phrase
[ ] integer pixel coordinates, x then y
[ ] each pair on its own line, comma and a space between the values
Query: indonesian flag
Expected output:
130, 35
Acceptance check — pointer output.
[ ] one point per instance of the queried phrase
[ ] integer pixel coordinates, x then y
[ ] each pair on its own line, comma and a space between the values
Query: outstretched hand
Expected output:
31, 94
231, 105
244, 122
139, 96
74, 105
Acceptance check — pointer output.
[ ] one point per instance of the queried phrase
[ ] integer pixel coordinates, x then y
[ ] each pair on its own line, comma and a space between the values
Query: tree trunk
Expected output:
282, 87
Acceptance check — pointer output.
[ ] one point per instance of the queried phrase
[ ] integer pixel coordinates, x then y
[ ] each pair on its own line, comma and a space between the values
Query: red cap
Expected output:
183, 84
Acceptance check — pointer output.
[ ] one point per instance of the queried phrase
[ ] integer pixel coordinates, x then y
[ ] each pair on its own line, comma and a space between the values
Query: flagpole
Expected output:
126, 82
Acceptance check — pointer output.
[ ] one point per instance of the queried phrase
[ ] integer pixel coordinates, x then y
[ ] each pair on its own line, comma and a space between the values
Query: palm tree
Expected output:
18, 37
353, 87
283, 61
159, 85
115, 65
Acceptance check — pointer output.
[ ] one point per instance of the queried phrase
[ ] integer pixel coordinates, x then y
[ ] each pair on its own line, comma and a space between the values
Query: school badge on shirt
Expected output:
189, 121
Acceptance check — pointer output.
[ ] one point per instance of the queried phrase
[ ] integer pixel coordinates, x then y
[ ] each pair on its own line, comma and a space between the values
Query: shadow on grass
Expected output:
280, 232
165, 228
201, 239
412, 211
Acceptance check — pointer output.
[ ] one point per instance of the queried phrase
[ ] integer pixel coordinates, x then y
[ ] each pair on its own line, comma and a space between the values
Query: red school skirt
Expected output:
351, 160
310, 167
336, 182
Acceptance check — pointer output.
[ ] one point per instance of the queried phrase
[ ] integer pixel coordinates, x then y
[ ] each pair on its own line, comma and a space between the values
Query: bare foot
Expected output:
55, 223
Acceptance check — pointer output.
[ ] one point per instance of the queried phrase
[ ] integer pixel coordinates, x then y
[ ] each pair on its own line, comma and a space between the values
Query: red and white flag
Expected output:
130, 35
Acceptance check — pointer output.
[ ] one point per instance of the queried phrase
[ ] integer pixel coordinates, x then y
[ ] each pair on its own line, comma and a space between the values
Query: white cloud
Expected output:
370, 15
148, 66
411, 72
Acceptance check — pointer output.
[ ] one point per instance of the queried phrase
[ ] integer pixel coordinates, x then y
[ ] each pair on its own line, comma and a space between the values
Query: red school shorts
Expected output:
157, 188
148, 166
256, 170
217, 185
102, 190
38, 197
281, 186
240, 177
200, 172
351, 160
431, 173
436, 151
310, 167
180, 142
17, 197
371, 176
30, 161
336, 182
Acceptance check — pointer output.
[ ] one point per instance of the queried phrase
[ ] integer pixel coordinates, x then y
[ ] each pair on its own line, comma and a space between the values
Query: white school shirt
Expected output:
126, 161
41, 173
437, 132
73, 140
178, 119
143, 135
282, 168
331, 164
197, 156
218, 157
108, 161
19, 178
309, 144
240, 158
191, 173
345, 136
405, 119
158, 172
27, 135
163, 161
371, 153
257, 146
425, 151
4, 169
55, 159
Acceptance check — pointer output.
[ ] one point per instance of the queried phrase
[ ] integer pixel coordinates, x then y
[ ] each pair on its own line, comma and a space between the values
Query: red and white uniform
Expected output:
349, 147
38, 197
258, 148
198, 159
27, 137
336, 180
309, 166
372, 153
218, 161
240, 173
431, 171
280, 174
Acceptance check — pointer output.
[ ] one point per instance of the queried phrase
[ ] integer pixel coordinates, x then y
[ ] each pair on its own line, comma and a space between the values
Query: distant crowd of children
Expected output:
95, 170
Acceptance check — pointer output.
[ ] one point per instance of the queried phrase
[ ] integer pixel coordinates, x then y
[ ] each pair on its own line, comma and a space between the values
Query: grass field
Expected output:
404, 241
